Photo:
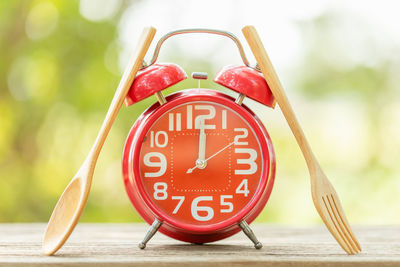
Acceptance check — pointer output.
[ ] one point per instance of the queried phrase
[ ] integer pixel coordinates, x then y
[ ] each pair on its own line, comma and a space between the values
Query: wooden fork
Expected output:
325, 199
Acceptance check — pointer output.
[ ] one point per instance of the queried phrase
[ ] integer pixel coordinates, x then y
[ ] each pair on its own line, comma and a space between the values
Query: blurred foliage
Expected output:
53, 81
58, 73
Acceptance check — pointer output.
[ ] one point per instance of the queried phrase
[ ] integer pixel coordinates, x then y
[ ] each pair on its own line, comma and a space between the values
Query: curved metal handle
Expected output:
211, 31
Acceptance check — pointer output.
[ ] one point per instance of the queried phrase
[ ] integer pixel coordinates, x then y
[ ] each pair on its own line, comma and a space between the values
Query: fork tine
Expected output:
343, 218
340, 223
333, 228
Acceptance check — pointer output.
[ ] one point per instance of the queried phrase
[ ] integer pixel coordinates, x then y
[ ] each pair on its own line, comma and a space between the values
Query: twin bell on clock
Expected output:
198, 165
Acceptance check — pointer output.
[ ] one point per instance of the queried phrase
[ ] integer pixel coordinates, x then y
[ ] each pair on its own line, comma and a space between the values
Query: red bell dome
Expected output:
247, 81
155, 78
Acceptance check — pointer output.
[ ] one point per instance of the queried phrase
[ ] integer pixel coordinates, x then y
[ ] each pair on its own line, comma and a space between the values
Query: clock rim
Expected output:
141, 200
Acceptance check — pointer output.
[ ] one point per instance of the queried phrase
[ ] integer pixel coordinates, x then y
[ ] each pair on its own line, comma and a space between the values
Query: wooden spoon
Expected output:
72, 202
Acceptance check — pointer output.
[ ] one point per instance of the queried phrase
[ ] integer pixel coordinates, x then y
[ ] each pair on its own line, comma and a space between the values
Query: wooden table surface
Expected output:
116, 245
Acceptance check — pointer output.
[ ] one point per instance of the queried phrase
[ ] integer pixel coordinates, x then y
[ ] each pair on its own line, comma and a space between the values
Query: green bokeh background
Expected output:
58, 73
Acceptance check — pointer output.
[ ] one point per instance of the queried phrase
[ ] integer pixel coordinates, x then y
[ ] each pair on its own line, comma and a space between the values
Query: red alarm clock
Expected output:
198, 165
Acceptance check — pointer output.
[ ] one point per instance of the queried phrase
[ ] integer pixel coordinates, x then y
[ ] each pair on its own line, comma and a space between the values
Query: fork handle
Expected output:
276, 87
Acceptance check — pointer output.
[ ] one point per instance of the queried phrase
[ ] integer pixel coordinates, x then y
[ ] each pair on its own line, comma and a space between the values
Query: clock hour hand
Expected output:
202, 142
210, 157
201, 159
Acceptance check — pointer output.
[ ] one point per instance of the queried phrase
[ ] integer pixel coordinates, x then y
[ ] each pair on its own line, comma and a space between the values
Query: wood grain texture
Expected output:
116, 245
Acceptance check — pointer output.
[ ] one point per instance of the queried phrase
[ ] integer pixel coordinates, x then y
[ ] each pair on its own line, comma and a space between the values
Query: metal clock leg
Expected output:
150, 233
250, 234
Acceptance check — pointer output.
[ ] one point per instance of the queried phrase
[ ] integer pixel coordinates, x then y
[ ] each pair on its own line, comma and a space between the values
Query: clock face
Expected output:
200, 163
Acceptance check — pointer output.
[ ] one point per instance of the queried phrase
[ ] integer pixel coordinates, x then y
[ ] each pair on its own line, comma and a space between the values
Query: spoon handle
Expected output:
129, 75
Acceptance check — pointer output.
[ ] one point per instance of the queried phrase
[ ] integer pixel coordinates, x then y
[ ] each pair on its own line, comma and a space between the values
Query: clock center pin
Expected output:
201, 163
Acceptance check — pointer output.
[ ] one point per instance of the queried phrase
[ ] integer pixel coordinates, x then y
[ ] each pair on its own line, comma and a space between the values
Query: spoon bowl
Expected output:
64, 217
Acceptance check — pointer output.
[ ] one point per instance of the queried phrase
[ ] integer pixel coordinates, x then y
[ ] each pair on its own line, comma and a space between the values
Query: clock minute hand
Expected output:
210, 157
222, 149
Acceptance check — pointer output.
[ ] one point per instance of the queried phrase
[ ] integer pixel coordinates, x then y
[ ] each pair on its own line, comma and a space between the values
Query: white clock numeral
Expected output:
195, 208
162, 164
204, 117
241, 136
211, 115
224, 203
249, 161
181, 199
243, 188
160, 191
171, 122
189, 116
224, 119
152, 139
156, 139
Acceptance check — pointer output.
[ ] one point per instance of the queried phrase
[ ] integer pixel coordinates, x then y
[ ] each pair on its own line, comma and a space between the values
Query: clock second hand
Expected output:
210, 157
